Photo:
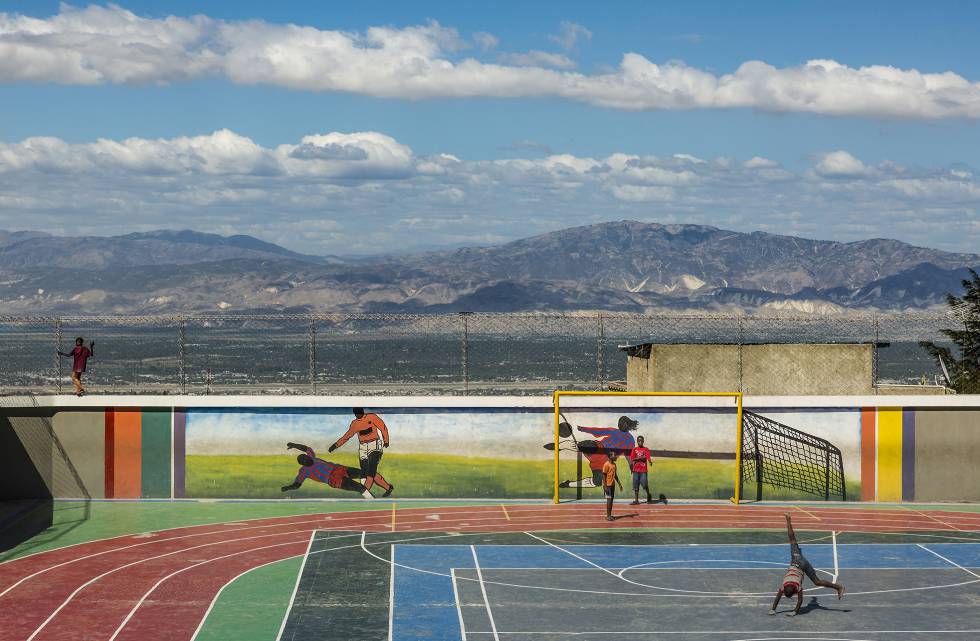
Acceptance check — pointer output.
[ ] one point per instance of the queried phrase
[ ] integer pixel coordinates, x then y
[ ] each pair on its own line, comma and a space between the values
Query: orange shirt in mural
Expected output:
368, 429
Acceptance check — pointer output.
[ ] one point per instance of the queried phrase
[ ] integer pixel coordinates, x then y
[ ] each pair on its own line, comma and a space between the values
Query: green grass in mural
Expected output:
414, 476
423, 476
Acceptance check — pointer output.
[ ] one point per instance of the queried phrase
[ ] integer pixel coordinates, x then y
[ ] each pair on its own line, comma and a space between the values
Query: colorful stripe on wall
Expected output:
110, 453
155, 452
889, 454
180, 452
908, 455
137, 453
868, 452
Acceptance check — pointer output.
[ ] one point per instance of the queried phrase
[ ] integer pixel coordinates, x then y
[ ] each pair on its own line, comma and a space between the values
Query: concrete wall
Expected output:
767, 369
82, 436
947, 454
895, 448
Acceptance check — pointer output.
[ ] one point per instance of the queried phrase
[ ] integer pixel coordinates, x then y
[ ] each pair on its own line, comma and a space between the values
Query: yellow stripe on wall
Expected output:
889, 454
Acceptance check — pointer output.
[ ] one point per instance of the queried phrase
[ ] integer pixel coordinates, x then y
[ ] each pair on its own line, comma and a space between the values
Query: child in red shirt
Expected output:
80, 356
639, 459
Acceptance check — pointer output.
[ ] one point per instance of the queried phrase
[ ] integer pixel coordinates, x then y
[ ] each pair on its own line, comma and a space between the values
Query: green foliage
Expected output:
964, 367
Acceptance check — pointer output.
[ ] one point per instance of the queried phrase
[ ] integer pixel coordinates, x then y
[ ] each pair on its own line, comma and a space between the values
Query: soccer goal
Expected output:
693, 440
703, 445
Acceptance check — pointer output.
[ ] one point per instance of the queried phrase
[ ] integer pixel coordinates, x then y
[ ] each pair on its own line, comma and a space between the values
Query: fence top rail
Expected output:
342, 316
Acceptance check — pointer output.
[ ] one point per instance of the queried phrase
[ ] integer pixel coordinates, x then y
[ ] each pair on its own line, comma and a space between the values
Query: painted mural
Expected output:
475, 452
888, 453
419, 452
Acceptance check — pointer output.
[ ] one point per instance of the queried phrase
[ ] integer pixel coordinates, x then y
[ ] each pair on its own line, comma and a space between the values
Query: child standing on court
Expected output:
80, 354
610, 479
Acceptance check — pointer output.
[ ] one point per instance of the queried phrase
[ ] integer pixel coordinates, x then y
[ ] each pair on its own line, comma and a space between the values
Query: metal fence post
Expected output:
466, 351
600, 365
740, 338
57, 356
182, 355
874, 354
313, 355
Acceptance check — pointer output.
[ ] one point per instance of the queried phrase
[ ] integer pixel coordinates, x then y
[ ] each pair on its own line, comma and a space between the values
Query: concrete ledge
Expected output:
533, 402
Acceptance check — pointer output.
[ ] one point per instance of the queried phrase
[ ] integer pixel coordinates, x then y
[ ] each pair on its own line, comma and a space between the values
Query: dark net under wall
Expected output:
784, 457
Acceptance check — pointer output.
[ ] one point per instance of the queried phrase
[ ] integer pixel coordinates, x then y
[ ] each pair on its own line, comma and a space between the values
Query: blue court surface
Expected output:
537, 586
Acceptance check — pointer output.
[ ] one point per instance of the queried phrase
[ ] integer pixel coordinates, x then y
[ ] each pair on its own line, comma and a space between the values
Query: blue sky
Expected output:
883, 141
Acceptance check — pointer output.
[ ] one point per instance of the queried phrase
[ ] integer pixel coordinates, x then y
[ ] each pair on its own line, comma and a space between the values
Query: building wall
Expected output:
765, 370
947, 454
894, 448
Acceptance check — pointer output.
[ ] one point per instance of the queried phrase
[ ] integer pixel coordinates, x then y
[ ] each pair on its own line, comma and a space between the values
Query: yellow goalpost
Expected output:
736, 396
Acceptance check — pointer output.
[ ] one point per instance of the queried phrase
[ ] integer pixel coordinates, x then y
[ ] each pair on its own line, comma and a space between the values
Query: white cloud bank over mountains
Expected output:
102, 45
366, 192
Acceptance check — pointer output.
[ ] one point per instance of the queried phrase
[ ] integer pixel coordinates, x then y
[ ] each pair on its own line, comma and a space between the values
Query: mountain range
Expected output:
616, 266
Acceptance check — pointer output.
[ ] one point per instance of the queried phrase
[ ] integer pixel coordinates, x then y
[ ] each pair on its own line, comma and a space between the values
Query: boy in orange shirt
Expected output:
609, 477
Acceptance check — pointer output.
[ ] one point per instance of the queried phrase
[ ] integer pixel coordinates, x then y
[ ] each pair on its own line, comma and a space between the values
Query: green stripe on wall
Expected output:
156, 454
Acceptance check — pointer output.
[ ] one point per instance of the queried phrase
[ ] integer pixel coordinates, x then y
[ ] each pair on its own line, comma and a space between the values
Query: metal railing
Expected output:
505, 353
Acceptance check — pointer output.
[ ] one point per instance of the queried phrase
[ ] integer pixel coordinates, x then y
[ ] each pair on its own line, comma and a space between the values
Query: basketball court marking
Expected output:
299, 575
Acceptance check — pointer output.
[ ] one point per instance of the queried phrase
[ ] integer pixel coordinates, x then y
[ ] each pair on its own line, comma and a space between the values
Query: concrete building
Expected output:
768, 369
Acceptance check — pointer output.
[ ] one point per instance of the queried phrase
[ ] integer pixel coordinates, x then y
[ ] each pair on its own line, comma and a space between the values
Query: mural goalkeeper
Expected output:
335, 475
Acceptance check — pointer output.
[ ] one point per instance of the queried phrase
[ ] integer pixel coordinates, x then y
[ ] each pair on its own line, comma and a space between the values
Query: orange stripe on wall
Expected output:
127, 461
867, 454
110, 453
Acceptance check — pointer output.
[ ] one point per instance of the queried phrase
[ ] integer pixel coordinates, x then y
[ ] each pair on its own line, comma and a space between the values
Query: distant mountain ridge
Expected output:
616, 266
150, 248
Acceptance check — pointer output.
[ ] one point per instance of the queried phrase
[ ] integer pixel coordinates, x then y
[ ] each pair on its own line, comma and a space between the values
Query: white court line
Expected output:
391, 587
459, 606
320, 516
580, 558
299, 575
726, 632
619, 575
152, 542
647, 595
833, 537
77, 590
217, 596
483, 589
970, 572
146, 595
298, 556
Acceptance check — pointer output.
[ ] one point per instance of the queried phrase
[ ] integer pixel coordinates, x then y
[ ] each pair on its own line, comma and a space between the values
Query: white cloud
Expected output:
758, 162
840, 164
366, 192
101, 45
535, 58
485, 41
569, 34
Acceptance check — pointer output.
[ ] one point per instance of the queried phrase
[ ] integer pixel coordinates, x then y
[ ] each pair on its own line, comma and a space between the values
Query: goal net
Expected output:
784, 457
702, 446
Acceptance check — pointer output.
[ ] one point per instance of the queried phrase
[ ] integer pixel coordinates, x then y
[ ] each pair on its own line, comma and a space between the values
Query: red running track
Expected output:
158, 586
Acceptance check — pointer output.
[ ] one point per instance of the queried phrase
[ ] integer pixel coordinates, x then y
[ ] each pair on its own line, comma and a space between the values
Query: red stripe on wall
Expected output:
110, 452
128, 459
868, 453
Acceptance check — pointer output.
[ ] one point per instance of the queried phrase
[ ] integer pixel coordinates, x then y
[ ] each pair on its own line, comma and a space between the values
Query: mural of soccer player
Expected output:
335, 475
616, 439
372, 437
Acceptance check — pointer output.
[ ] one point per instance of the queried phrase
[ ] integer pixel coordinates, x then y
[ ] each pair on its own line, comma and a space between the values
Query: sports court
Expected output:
499, 571
182, 537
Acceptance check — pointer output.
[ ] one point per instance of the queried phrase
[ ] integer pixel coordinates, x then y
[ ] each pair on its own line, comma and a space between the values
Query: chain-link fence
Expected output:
343, 354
